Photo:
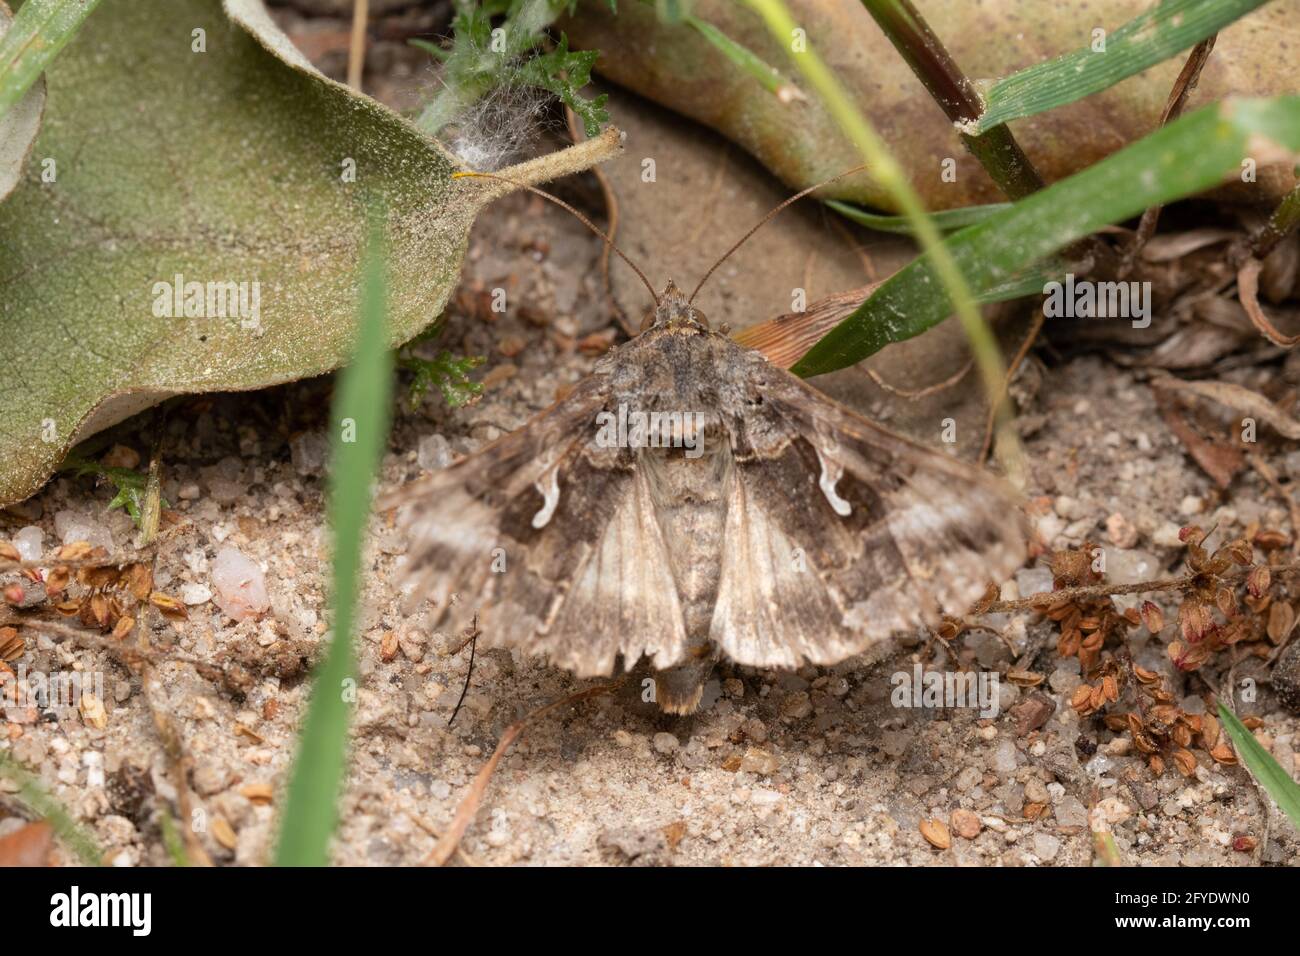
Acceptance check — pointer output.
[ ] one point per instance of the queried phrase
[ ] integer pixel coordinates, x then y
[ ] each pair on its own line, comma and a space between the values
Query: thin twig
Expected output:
1265, 471
469, 672
948, 382
1178, 94
357, 46
611, 216
1046, 599
465, 813
1025, 346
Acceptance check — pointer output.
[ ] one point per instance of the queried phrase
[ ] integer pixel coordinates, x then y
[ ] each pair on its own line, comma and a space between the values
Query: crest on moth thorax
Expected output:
687, 501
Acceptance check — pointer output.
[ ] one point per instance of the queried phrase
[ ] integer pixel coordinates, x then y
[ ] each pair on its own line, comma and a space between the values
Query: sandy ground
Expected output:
814, 767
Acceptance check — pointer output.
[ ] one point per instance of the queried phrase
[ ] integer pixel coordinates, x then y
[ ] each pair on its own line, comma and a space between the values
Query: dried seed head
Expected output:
1258, 580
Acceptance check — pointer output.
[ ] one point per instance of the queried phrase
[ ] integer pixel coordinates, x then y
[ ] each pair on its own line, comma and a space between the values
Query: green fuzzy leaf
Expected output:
198, 152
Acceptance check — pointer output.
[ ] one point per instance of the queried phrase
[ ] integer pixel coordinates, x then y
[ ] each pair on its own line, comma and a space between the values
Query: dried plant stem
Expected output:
919, 393
578, 135
1178, 94
357, 46
1285, 218
997, 149
1025, 346
465, 813
1046, 599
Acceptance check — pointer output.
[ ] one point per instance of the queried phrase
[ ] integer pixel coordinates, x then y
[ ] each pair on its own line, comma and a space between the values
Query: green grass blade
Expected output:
745, 58
1149, 38
41, 28
43, 803
1190, 155
360, 419
948, 220
1284, 791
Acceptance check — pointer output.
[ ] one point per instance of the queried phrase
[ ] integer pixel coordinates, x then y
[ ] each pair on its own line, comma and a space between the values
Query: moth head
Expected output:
673, 310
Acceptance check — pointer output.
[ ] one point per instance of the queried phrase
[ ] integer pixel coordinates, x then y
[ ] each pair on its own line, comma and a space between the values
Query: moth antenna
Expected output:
768, 218
577, 215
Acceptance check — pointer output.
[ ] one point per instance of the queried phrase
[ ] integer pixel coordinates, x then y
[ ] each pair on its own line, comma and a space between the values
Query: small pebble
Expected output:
665, 743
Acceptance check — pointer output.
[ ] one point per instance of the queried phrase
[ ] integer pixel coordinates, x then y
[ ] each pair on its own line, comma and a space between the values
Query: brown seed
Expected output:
1081, 696
1244, 843
1272, 540
139, 581
1034, 810
936, 833
1258, 580
57, 580
11, 645
1223, 753
1145, 676
1157, 764
388, 646
1025, 678
93, 712
1209, 731
75, 551
223, 832
965, 824
123, 628
257, 792
1281, 618
1110, 688
1185, 761
168, 606
1240, 552
9, 552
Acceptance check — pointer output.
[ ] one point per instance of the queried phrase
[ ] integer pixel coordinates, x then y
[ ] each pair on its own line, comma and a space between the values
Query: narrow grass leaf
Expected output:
49, 809
742, 56
1284, 791
1151, 37
41, 28
359, 419
1192, 154
948, 220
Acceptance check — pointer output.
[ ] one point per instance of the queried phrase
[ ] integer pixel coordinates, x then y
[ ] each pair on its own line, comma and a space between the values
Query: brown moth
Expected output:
687, 501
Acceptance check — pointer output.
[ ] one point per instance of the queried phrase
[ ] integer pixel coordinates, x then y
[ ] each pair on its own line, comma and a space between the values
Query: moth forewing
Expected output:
745, 516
